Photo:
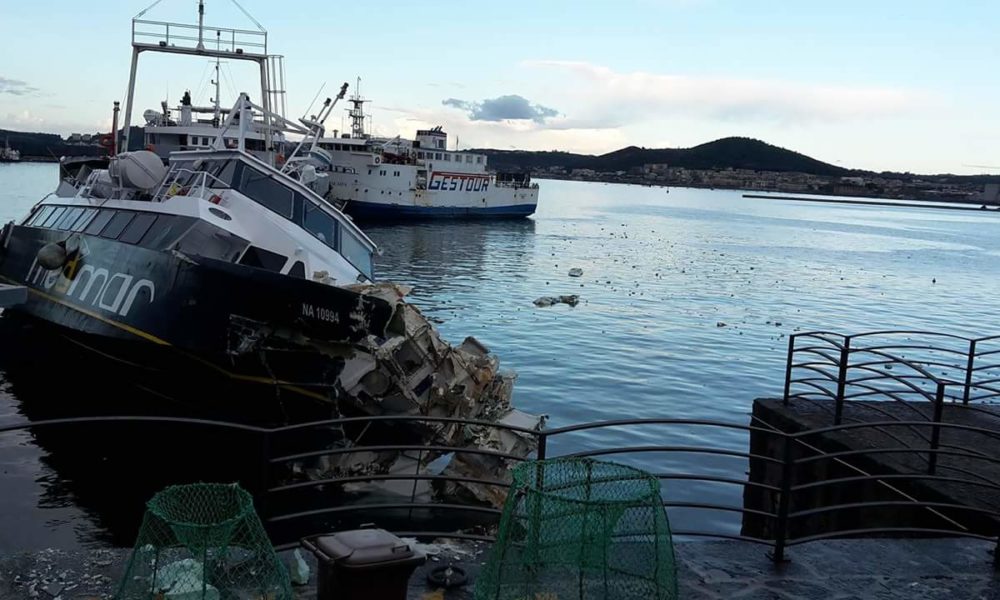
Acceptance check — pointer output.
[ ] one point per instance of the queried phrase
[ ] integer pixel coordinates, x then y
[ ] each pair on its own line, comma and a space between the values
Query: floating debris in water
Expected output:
576, 272
544, 301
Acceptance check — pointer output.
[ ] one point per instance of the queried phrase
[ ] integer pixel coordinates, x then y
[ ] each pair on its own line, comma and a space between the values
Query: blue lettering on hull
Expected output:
459, 182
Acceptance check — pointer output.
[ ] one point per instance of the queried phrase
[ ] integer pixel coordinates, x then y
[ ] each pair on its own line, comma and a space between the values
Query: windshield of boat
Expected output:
270, 191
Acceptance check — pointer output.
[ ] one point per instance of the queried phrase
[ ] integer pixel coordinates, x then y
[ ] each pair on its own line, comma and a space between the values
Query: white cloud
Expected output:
608, 98
505, 135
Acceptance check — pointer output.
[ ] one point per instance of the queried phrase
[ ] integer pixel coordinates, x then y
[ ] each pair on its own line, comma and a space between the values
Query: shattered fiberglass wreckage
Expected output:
412, 371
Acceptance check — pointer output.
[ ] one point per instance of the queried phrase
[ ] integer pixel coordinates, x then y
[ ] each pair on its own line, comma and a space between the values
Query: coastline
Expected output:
636, 180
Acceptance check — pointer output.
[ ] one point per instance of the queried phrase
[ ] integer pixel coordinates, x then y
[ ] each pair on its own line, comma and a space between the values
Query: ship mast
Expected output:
217, 118
357, 113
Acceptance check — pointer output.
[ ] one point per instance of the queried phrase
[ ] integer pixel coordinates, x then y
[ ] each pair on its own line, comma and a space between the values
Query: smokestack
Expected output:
201, 23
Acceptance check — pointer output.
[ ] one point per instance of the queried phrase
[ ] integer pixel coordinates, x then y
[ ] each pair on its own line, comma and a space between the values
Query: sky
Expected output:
876, 84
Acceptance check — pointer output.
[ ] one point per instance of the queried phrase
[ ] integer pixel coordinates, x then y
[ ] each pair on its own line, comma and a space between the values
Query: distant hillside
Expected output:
47, 145
732, 152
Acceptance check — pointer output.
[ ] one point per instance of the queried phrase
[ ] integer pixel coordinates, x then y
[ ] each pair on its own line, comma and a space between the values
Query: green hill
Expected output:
732, 152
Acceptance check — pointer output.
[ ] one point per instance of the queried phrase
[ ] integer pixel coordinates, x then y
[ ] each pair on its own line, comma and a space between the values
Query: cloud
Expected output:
503, 108
618, 98
510, 134
16, 87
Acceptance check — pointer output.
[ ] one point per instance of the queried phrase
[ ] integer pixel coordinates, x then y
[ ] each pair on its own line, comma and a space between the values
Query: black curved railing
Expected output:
798, 488
901, 366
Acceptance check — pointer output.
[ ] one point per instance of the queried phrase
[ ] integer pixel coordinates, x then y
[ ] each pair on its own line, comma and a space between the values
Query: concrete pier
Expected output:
12, 294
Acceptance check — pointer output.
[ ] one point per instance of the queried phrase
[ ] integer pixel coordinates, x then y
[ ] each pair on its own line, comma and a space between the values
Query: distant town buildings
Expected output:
889, 186
84, 139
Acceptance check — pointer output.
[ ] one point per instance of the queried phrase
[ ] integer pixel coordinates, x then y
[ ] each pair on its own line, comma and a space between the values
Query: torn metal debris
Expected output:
411, 370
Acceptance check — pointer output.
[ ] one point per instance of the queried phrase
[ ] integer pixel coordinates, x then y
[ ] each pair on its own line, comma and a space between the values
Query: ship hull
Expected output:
448, 195
374, 211
191, 327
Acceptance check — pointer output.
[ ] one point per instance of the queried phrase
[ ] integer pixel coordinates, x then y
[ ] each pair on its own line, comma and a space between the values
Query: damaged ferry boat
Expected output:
215, 258
226, 284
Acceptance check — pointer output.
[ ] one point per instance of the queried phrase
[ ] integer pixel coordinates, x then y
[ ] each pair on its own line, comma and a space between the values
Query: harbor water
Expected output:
686, 302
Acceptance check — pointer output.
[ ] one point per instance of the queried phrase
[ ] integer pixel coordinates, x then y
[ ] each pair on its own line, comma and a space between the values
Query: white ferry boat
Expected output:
380, 178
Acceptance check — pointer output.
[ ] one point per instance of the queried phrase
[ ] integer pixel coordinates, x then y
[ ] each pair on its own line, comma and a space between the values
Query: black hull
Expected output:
219, 336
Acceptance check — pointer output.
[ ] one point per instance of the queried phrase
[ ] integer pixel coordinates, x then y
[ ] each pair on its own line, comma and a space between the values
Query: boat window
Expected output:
263, 259
137, 228
39, 217
437, 156
84, 219
420, 154
356, 253
222, 170
468, 158
479, 160
99, 222
205, 239
323, 226
264, 190
54, 216
164, 230
116, 225
447, 157
69, 217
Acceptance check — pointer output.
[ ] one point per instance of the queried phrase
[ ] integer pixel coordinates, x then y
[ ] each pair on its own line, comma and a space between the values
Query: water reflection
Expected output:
86, 485
433, 255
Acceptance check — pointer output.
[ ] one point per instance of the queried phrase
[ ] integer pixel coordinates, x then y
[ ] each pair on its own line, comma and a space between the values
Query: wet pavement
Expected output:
949, 569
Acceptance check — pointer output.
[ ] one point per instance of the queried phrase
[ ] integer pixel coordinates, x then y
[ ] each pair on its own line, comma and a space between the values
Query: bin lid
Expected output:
360, 547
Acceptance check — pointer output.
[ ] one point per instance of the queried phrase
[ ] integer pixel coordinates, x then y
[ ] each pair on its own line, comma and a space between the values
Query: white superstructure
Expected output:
397, 178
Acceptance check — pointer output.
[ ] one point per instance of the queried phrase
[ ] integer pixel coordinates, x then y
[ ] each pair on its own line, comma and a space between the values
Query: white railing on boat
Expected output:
172, 186
179, 35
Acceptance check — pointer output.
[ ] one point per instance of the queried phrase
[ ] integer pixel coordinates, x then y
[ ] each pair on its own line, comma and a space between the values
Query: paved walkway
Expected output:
841, 570
832, 570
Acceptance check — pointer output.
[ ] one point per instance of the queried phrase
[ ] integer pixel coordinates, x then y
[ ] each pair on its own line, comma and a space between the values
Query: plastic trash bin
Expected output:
363, 564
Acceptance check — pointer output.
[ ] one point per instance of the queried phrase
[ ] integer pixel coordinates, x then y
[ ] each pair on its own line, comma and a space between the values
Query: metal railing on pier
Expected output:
794, 492
901, 366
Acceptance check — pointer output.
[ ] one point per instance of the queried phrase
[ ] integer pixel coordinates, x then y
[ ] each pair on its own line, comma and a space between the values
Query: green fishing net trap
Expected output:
203, 541
581, 529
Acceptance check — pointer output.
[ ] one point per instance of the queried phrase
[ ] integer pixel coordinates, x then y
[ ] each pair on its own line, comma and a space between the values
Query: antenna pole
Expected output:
131, 96
114, 131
